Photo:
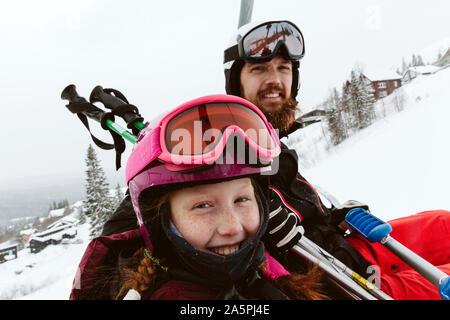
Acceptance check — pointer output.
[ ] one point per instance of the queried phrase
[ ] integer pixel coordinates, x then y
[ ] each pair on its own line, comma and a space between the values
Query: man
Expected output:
261, 64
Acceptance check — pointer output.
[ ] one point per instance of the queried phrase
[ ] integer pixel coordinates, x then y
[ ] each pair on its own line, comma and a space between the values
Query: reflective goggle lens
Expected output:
197, 130
262, 41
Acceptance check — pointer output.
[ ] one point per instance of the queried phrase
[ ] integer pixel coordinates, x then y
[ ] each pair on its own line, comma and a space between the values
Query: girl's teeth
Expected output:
225, 251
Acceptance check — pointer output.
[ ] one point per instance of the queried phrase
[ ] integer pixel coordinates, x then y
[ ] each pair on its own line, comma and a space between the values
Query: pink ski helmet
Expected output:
159, 160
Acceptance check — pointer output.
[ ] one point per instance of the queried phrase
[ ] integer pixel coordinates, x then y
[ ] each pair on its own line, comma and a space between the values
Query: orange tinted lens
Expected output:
197, 130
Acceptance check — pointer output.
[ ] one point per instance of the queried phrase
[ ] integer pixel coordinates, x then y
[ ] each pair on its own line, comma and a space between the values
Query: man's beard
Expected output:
280, 114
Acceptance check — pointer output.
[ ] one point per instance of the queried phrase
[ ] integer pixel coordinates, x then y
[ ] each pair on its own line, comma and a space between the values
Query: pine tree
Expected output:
413, 60
119, 195
335, 119
352, 101
357, 103
346, 107
420, 61
404, 66
98, 205
416, 61
365, 102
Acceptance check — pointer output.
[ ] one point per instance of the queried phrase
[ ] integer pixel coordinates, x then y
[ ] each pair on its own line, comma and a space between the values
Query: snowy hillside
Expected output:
430, 53
46, 275
400, 164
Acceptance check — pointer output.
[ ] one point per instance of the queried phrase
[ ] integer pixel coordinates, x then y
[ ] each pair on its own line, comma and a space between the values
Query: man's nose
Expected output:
273, 77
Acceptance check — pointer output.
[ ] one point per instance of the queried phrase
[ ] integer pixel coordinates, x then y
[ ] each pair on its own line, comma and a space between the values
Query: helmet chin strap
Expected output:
174, 229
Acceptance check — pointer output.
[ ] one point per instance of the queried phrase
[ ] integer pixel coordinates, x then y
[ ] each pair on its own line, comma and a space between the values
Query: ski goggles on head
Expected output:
263, 42
197, 132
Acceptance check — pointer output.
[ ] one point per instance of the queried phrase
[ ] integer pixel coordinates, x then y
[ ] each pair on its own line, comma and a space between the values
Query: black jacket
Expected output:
317, 220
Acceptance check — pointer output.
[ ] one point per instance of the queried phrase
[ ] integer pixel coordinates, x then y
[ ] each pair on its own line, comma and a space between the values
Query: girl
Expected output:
202, 211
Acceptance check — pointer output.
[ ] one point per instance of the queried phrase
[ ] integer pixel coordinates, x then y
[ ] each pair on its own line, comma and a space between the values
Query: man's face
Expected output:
267, 84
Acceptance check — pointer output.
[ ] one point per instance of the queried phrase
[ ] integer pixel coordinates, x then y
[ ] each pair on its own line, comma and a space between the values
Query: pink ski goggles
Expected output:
196, 133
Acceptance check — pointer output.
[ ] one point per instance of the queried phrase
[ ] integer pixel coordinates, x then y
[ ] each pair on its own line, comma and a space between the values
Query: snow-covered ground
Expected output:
46, 275
399, 166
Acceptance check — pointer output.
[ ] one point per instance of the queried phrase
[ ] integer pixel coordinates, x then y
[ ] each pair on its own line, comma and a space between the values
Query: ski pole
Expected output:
360, 280
116, 101
78, 104
376, 230
348, 280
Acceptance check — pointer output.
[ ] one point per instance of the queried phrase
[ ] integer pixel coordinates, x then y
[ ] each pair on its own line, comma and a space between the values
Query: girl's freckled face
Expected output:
216, 218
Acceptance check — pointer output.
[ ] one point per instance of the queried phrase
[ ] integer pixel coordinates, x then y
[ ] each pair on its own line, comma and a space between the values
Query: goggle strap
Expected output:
144, 153
146, 237
135, 191
231, 54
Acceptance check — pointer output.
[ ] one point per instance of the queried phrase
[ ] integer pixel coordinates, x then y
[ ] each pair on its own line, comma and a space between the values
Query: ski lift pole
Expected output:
245, 13
376, 230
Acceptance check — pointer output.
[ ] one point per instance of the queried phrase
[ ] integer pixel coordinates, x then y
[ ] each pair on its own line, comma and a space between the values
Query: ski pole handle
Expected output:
119, 105
376, 230
70, 93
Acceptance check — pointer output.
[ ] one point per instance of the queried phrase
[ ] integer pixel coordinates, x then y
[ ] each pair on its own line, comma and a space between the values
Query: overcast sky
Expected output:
163, 53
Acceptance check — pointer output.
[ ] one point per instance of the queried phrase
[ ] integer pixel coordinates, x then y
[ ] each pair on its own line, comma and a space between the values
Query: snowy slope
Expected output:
430, 53
400, 164
46, 275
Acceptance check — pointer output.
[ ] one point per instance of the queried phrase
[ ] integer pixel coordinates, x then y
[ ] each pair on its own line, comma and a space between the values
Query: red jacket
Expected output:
428, 235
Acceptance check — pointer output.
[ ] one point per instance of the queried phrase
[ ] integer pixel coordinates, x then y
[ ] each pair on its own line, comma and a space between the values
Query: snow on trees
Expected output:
351, 111
98, 204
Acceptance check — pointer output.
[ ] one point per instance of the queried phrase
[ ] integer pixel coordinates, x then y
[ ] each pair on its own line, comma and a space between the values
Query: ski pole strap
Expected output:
376, 230
95, 113
84, 109
118, 104
130, 114
127, 111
